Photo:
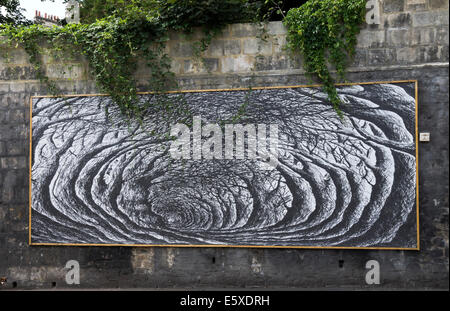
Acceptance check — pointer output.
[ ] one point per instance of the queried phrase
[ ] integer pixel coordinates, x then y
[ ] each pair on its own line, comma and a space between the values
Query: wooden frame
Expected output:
226, 245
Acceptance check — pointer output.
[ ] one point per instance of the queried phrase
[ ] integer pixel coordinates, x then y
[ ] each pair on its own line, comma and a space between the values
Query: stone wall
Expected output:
410, 43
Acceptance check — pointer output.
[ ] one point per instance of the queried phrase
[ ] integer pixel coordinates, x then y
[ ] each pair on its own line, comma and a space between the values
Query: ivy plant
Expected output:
325, 33
116, 35
112, 47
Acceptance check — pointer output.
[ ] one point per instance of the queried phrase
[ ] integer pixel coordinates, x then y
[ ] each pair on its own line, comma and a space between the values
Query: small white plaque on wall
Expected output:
424, 137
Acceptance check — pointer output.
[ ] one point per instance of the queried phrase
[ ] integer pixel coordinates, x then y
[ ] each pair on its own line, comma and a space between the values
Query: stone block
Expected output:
14, 100
275, 62
381, 57
17, 72
4, 88
65, 71
279, 44
429, 54
407, 55
438, 4
176, 65
444, 53
13, 131
219, 48
441, 36
400, 20
393, 6
181, 49
231, 47
2, 148
16, 147
237, 64
12, 116
276, 28
430, 18
17, 87
371, 39
37, 88
416, 5
13, 162
204, 65
244, 30
422, 36
398, 37
254, 46
18, 56
360, 58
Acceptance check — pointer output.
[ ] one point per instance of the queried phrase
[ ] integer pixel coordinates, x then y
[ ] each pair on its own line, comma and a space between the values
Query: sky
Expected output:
56, 8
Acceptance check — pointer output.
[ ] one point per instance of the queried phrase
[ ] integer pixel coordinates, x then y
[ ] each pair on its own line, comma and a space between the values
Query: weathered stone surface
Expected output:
407, 55
16, 147
205, 65
181, 49
65, 71
17, 87
279, 44
371, 39
13, 116
398, 37
417, 5
4, 88
219, 48
240, 63
438, 4
18, 72
2, 148
399, 20
14, 162
442, 36
276, 28
430, 18
423, 36
379, 57
245, 30
281, 62
360, 58
390, 6
256, 46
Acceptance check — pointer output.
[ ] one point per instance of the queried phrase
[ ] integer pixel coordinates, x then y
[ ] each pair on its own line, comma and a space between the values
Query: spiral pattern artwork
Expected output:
97, 178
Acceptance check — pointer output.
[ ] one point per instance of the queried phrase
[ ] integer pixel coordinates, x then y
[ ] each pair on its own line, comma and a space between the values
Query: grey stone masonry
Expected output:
411, 42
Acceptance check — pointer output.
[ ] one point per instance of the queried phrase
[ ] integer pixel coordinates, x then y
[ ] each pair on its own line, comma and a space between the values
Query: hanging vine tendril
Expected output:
325, 33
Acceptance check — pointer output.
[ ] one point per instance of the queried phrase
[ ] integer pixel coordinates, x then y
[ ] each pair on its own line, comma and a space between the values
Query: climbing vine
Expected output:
112, 47
123, 33
113, 44
325, 33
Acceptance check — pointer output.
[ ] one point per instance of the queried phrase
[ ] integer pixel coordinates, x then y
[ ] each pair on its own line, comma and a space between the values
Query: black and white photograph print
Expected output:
347, 182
